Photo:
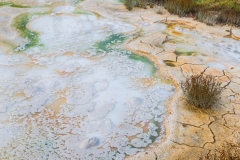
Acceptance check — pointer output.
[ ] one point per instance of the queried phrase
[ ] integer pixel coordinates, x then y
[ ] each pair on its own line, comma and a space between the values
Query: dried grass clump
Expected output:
209, 12
180, 7
227, 152
151, 5
129, 4
208, 17
202, 91
141, 3
159, 9
229, 16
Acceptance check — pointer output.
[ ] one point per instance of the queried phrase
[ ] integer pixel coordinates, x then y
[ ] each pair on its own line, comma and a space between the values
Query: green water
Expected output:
111, 41
13, 5
75, 2
10, 4
146, 61
153, 138
5, 3
20, 23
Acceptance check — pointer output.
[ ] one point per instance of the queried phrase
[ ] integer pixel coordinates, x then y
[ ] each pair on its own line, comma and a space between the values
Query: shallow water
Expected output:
69, 90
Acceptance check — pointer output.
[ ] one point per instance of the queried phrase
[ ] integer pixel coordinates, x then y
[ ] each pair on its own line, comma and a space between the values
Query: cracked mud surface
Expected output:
190, 132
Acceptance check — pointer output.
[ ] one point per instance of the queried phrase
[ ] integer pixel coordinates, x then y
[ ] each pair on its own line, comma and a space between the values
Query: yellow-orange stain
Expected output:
63, 73
68, 54
56, 105
171, 25
177, 33
233, 37
20, 94
147, 81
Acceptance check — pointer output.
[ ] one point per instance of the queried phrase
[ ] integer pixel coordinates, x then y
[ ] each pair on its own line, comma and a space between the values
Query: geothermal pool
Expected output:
69, 89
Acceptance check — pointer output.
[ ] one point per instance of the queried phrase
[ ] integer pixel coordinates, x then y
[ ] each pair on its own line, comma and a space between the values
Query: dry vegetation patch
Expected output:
201, 91
207, 11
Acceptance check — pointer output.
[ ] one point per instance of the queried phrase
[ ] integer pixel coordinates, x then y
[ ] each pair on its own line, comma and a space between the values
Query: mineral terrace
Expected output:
91, 80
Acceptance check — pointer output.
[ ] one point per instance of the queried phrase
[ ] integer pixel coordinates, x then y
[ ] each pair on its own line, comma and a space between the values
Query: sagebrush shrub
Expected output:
207, 17
129, 4
159, 9
202, 91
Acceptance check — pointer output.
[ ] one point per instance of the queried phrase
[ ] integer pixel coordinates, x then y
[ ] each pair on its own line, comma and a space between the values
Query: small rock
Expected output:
88, 143
184, 125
